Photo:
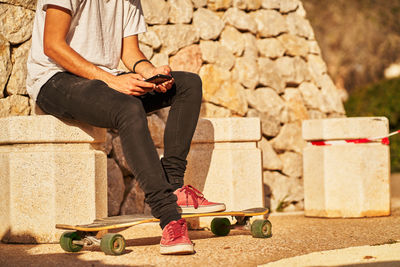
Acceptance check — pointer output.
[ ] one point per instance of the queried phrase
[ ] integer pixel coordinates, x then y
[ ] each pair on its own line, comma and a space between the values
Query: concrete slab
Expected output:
383, 255
293, 235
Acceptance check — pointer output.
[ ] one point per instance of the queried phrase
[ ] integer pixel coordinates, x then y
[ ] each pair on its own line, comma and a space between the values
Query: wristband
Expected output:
137, 62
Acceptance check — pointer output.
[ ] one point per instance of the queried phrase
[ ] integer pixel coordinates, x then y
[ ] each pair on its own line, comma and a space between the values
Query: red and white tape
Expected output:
380, 139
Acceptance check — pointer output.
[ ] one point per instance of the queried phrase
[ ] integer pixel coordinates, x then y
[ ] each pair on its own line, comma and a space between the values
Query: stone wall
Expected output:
257, 58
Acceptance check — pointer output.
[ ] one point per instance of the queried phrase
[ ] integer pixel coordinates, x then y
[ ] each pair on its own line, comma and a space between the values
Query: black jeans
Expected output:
68, 96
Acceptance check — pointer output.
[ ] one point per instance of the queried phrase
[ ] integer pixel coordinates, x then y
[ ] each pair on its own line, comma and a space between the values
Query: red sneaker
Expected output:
191, 200
175, 239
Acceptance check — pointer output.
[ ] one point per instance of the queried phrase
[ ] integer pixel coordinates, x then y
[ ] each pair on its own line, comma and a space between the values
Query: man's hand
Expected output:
164, 87
131, 84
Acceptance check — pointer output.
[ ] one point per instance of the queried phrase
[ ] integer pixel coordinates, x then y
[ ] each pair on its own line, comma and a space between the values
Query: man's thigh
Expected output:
72, 97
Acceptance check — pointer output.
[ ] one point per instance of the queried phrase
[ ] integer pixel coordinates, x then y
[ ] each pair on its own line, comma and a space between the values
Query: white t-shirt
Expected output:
96, 33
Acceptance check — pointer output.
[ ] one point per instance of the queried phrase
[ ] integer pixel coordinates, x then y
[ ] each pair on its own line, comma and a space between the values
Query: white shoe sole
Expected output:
177, 249
202, 209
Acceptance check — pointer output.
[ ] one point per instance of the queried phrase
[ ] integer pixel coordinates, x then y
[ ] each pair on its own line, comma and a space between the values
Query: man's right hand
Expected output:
131, 84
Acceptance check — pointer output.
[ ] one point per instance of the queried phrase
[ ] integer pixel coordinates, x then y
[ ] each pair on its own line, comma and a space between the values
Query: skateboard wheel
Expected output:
220, 226
112, 244
261, 229
67, 244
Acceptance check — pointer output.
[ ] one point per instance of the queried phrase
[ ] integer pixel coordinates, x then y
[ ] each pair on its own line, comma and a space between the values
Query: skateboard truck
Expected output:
87, 241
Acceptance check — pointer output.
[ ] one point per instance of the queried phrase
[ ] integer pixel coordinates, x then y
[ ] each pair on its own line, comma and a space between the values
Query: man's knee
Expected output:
190, 83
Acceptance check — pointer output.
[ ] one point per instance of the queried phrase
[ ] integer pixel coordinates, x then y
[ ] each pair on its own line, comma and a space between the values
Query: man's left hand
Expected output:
163, 87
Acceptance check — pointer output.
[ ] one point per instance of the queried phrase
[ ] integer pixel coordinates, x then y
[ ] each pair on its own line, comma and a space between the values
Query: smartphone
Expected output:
159, 78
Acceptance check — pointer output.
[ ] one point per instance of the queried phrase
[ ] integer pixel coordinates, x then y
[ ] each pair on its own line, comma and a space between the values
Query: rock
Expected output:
295, 109
247, 4
156, 127
330, 95
300, 26
240, 20
160, 59
181, 11
282, 190
270, 47
311, 95
313, 47
209, 110
250, 46
293, 70
252, 112
219, 4
270, 23
287, 6
271, 4
316, 114
17, 83
393, 71
107, 146
155, 11
118, 155
270, 75
233, 40
316, 66
214, 52
150, 38
213, 77
300, 11
146, 50
18, 29
218, 88
266, 100
292, 164
289, 138
175, 37
207, 23
233, 97
199, 3
187, 59
14, 105
246, 72
134, 201
163, 113
270, 125
5, 64
116, 187
270, 160
30, 4
294, 45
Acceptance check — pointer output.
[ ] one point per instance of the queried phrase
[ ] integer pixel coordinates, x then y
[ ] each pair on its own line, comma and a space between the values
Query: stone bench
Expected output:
346, 180
51, 171
225, 163
54, 171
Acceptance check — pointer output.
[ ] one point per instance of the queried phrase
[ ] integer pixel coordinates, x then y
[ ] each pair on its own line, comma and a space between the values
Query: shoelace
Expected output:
176, 230
194, 193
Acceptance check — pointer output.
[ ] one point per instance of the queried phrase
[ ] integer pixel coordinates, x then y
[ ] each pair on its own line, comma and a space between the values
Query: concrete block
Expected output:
346, 180
345, 128
212, 130
227, 168
45, 181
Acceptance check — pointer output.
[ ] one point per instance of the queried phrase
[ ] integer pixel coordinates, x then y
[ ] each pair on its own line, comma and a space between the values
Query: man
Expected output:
76, 47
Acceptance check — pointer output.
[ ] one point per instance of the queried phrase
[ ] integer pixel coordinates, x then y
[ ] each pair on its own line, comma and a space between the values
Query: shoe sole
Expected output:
203, 209
181, 249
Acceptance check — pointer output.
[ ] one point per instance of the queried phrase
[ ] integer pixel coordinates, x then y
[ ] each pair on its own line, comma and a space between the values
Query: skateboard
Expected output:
96, 233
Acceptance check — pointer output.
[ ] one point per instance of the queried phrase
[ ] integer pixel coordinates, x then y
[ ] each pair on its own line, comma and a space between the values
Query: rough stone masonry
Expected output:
257, 58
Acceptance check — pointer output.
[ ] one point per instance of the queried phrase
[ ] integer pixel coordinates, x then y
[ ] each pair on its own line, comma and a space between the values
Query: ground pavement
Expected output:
293, 235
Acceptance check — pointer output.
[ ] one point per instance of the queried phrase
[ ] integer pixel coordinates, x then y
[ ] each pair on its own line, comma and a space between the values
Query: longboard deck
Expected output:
124, 221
